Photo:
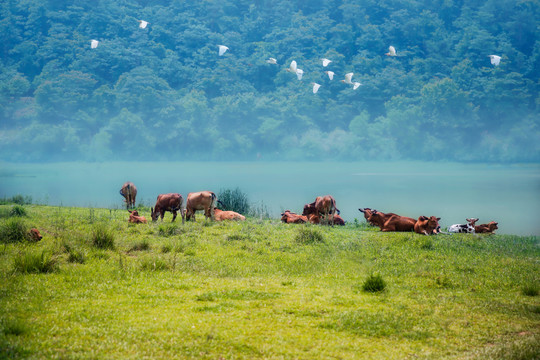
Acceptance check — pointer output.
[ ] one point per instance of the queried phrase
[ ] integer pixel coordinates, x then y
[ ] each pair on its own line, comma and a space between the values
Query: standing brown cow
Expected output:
129, 192
202, 200
323, 207
168, 202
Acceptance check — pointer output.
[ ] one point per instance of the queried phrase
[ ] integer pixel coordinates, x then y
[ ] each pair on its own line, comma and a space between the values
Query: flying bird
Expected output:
330, 74
356, 85
222, 49
94, 44
348, 78
272, 61
391, 51
495, 59
315, 87
292, 67
299, 73
143, 24
325, 62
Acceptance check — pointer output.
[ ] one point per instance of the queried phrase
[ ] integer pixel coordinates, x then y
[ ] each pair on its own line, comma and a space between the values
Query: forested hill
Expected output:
164, 93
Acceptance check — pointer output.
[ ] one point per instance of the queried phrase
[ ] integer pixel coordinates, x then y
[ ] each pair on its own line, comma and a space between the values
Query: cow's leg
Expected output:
183, 214
162, 214
174, 215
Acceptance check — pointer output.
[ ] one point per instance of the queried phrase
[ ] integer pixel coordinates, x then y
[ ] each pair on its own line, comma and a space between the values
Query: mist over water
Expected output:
508, 194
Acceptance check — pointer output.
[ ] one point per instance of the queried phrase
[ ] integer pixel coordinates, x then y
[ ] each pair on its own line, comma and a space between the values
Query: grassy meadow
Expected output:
96, 287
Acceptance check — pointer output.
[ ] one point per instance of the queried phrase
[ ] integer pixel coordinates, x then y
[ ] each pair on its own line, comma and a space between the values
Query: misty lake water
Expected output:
509, 194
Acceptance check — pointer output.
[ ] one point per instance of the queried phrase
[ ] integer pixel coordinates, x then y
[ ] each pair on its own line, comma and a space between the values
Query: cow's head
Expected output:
493, 226
134, 212
472, 221
35, 235
309, 209
154, 214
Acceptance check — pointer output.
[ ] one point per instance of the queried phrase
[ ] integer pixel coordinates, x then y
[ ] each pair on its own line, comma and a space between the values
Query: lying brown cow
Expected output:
427, 225
324, 207
34, 235
135, 218
167, 202
221, 215
129, 192
315, 219
202, 200
392, 222
486, 228
289, 217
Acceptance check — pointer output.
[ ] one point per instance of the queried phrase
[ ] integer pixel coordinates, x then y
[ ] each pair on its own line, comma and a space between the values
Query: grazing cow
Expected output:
486, 228
463, 228
338, 220
135, 218
392, 222
168, 202
129, 192
202, 200
289, 217
221, 215
427, 225
34, 235
324, 207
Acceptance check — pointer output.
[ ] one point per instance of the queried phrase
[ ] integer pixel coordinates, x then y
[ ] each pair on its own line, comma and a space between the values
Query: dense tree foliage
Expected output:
163, 92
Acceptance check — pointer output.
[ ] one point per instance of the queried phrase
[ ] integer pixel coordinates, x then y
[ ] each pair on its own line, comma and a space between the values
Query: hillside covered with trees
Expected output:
164, 93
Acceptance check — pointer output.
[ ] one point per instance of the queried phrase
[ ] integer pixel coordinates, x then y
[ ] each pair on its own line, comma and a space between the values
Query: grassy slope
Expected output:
253, 290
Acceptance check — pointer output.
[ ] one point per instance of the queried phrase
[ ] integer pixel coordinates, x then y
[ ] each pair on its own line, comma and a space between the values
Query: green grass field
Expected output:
97, 287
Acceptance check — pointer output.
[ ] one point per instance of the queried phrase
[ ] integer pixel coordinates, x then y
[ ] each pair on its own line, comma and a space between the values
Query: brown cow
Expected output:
427, 225
221, 215
338, 220
292, 218
367, 215
202, 200
315, 219
129, 192
392, 222
324, 207
34, 235
486, 228
135, 218
167, 202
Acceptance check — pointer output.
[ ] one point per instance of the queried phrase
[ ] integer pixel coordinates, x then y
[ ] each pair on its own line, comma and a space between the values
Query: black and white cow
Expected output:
463, 228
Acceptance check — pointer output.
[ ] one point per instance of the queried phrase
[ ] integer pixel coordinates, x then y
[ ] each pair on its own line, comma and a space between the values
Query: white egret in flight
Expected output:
272, 61
143, 24
299, 73
315, 87
222, 49
330, 74
94, 44
325, 62
356, 85
292, 67
348, 78
495, 59
391, 51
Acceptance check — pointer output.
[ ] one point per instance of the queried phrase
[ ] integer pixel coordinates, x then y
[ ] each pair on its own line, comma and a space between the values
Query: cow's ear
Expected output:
361, 210
422, 218
438, 219
151, 210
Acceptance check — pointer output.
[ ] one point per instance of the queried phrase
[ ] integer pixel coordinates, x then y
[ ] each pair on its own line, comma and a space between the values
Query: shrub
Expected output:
308, 236
234, 200
102, 237
13, 230
35, 262
168, 229
13, 327
374, 283
530, 290
17, 210
17, 199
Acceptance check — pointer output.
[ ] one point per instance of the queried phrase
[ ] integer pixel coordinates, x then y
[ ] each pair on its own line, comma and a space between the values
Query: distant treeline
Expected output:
163, 93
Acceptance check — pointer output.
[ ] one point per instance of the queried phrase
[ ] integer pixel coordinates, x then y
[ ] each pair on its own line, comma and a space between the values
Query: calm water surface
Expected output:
509, 194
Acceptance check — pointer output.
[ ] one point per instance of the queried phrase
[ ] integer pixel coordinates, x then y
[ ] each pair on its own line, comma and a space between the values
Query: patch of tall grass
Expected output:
16, 199
102, 237
374, 283
13, 230
35, 262
234, 200
308, 235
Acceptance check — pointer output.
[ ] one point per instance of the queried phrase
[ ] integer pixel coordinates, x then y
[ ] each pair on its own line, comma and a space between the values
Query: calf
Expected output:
202, 200
324, 207
486, 228
34, 235
427, 225
221, 215
168, 202
392, 222
289, 217
135, 218
463, 228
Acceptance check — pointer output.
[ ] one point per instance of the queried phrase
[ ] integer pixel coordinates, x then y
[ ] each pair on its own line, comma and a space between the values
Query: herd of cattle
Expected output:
322, 211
